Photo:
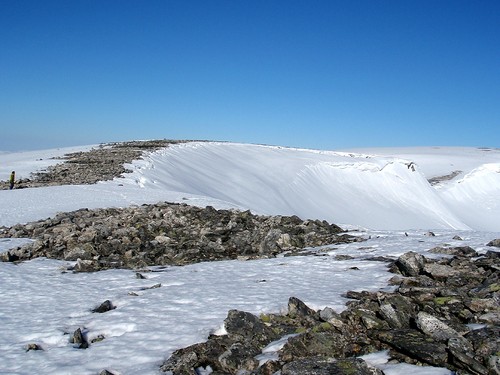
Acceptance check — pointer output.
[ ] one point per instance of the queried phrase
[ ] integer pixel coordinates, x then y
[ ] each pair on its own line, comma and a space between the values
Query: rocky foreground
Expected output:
443, 312
427, 320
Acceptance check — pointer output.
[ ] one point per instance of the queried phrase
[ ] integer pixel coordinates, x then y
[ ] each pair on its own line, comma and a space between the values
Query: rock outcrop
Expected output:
166, 234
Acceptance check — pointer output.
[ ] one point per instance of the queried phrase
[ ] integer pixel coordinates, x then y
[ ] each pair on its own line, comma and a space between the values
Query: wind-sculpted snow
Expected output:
388, 190
380, 192
475, 198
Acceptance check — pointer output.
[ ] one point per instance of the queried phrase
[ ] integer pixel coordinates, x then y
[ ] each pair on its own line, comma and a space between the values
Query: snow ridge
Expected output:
380, 192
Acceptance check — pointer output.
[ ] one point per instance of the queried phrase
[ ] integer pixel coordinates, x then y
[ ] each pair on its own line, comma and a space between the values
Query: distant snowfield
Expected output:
385, 190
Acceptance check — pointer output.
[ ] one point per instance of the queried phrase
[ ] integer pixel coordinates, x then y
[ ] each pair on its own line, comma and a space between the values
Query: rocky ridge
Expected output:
101, 163
166, 234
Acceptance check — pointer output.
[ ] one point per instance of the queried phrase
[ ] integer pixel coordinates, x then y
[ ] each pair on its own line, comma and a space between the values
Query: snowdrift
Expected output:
385, 189
379, 192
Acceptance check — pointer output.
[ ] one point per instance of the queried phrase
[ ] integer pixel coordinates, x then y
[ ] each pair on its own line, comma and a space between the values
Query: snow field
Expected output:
370, 188
41, 304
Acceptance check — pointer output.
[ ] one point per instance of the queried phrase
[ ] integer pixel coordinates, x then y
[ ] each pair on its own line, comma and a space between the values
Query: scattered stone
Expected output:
33, 346
156, 286
79, 339
422, 322
99, 338
104, 307
438, 179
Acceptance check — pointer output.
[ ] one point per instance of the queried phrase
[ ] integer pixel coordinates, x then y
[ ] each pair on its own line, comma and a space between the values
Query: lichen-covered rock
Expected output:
322, 366
243, 326
411, 343
435, 328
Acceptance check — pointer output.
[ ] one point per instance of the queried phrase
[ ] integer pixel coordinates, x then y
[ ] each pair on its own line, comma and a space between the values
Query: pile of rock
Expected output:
427, 320
98, 164
166, 233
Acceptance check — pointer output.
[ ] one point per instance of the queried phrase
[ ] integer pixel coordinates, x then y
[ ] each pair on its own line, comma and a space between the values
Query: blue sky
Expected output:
316, 74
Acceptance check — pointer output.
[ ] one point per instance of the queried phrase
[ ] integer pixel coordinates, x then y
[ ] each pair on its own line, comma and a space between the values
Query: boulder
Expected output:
410, 264
322, 366
104, 307
495, 243
245, 327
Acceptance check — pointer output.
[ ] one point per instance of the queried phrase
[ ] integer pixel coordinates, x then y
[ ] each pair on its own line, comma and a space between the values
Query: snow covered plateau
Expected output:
383, 194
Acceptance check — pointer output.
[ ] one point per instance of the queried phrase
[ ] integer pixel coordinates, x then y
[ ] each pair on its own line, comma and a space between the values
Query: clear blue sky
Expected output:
317, 74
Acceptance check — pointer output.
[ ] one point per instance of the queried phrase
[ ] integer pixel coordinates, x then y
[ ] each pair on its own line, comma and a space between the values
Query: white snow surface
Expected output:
377, 189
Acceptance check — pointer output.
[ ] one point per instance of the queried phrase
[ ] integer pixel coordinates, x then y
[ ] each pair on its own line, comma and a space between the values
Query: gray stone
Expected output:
322, 366
410, 264
435, 328
495, 243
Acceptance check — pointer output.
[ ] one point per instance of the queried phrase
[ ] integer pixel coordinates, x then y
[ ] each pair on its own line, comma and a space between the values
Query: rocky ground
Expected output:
102, 163
166, 233
426, 320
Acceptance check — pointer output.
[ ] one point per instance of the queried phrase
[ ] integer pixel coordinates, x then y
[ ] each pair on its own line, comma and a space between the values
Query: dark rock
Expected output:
495, 243
312, 344
33, 346
416, 345
458, 251
79, 339
322, 366
485, 341
239, 357
107, 372
155, 286
104, 307
462, 357
246, 327
187, 360
297, 308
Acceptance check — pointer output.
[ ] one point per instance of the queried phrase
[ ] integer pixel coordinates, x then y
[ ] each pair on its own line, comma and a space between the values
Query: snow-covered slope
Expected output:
365, 189
378, 190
